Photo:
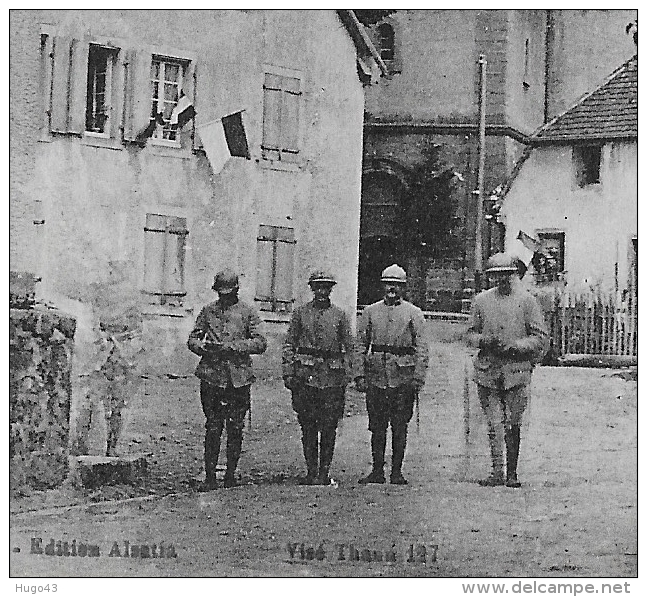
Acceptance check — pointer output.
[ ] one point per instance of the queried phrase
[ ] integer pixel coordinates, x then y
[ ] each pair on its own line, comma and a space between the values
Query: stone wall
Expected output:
40, 351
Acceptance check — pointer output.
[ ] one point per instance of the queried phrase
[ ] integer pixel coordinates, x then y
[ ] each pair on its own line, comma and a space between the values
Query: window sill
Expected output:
169, 149
281, 166
273, 317
592, 186
101, 141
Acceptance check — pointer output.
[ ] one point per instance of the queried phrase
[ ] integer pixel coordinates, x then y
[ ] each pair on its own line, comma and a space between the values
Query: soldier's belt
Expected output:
398, 350
315, 352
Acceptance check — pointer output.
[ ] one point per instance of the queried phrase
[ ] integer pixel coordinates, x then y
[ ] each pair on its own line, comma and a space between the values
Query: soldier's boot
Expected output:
512, 441
211, 454
326, 451
399, 444
234, 448
310, 443
378, 446
496, 450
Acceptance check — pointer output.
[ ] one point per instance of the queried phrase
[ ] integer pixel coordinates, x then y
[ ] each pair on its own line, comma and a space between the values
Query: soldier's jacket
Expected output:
318, 349
515, 320
238, 328
392, 345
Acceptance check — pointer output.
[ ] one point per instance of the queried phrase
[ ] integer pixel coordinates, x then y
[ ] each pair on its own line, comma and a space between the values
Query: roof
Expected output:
365, 49
608, 112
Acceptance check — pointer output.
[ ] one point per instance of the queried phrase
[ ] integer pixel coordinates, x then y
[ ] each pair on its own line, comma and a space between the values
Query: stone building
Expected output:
538, 63
120, 197
576, 190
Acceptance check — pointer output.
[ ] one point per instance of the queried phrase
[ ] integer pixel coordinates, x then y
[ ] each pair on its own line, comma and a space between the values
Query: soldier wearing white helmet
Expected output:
393, 356
317, 366
508, 329
225, 334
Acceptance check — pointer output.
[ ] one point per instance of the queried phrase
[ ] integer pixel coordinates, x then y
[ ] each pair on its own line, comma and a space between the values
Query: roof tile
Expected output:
610, 111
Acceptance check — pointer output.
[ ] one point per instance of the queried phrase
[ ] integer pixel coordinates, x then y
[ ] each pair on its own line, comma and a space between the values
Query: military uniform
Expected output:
317, 366
394, 354
511, 334
107, 365
225, 335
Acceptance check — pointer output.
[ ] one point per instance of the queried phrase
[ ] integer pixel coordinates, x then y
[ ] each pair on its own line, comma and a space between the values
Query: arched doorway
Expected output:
378, 243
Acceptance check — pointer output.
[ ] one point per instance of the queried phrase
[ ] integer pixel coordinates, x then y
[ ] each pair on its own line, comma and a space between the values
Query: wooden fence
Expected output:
594, 323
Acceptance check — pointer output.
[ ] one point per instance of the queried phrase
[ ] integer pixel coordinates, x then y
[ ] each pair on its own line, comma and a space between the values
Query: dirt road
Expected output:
574, 516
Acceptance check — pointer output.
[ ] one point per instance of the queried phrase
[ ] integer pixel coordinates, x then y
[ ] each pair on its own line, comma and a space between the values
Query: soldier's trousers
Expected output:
223, 407
318, 412
504, 414
384, 406
94, 389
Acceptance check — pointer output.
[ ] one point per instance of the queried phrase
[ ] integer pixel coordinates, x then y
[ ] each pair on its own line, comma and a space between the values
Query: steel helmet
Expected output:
225, 281
322, 276
502, 262
394, 273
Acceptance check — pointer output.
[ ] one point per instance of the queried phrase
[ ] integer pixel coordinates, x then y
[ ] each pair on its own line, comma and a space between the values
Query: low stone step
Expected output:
95, 471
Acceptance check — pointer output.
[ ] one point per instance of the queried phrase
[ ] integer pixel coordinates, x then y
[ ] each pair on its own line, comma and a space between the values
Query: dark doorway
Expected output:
378, 244
375, 253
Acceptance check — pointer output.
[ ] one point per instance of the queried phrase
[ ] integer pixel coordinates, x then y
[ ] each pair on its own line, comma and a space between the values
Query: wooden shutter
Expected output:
60, 84
264, 263
290, 115
78, 86
274, 267
164, 254
154, 253
176, 233
46, 54
138, 93
284, 265
272, 113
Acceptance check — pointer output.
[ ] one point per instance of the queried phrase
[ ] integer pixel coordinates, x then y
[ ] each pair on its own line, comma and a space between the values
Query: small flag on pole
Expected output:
528, 241
526, 247
183, 111
223, 139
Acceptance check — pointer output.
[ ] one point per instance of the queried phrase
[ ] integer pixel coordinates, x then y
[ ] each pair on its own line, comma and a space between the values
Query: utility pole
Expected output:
478, 241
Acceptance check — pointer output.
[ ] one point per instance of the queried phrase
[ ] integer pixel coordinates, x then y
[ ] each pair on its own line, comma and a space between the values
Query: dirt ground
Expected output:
575, 515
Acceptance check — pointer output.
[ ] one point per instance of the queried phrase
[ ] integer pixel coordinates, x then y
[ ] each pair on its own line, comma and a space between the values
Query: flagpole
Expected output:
478, 240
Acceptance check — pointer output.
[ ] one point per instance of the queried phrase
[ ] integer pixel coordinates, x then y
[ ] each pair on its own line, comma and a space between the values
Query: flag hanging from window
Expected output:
183, 111
223, 139
527, 247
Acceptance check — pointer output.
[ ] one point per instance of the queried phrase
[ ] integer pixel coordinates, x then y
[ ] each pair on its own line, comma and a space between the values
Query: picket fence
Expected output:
594, 323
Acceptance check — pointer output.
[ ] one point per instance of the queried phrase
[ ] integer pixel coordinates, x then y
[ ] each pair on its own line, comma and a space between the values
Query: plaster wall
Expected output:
94, 199
598, 220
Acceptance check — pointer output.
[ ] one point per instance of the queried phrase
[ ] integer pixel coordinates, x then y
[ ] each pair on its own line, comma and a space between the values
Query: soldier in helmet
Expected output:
226, 333
393, 349
317, 365
508, 329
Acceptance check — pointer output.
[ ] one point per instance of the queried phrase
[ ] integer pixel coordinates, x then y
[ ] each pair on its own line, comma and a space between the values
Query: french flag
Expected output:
224, 138
183, 111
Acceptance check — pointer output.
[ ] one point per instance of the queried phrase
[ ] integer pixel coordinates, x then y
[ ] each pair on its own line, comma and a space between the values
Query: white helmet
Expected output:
394, 273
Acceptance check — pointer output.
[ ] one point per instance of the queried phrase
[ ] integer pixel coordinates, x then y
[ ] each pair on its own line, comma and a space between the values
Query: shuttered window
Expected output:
98, 109
167, 78
281, 113
274, 268
80, 85
164, 258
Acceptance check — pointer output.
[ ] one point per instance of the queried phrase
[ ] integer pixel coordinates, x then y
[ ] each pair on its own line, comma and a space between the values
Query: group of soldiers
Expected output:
387, 361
